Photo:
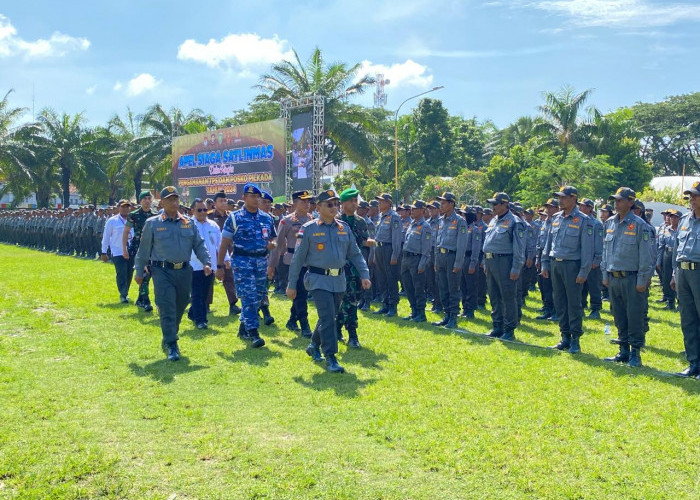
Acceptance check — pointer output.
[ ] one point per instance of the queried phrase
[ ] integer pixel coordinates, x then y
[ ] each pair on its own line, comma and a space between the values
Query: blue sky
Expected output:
493, 58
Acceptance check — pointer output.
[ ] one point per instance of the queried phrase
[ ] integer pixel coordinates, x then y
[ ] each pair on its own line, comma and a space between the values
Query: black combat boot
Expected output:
255, 340
353, 341
267, 318
635, 358
313, 351
292, 325
564, 343
419, 317
410, 316
621, 357
443, 321
452, 321
332, 364
509, 335
242, 332
575, 347
383, 310
305, 328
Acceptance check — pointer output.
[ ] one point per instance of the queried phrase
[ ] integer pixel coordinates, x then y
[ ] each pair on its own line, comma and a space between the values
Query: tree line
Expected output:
565, 142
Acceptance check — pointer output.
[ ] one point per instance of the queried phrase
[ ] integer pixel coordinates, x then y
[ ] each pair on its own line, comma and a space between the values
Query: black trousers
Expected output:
627, 306
504, 304
125, 271
200, 290
448, 282
688, 286
300, 307
593, 287
567, 295
327, 305
413, 282
470, 284
172, 293
387, 275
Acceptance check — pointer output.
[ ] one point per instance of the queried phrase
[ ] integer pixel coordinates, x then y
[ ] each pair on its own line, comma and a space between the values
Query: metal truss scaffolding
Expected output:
317, 104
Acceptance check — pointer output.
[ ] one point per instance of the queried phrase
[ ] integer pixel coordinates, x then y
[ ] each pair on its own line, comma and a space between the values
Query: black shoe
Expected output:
621, 357
202, 326
661, 300
452, 321
305, 328
147, 307
510, 336
495, 334
575, 347
563, 345
383, 310
692, 371
354, 343
635, 358
595, 314
419, 318
468, 314
391, 312
255, 340
233, 309
138, 303
292, 326
242, 332
410, 316
545, 314
313, 351
670, 306
443, 321
173, 352
332, 364
365, 306
124, 300
268, 320
553, 317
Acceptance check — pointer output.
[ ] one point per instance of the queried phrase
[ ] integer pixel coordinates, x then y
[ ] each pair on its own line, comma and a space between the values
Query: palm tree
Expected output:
561, 126
17, 151
66, 143
151, 150
348, 127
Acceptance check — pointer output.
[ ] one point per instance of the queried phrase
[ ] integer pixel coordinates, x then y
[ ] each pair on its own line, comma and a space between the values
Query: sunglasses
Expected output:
201, 210
332, 204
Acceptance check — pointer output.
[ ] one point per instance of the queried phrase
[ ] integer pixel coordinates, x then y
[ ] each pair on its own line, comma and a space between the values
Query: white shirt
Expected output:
112, 235
211, 234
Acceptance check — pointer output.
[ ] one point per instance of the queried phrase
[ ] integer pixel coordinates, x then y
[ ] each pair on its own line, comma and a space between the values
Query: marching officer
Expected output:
167, 243
568, 253
287, 232
252, 233
219, 214
451, 246
388, 238
504, 253
324, 245
136, 220
686, 280
627, 265
417, 247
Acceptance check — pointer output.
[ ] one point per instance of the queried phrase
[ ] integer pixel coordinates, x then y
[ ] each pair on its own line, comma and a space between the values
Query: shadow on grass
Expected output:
296, 343
364, 357
258, 357
115, 305
197, 334
164, 371
345, 385
665, 352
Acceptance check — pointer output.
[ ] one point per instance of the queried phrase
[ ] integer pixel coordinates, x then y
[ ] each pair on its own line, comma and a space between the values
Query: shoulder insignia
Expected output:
590, 230
521, 232
645, 236
576, 219
464, 231
630, 227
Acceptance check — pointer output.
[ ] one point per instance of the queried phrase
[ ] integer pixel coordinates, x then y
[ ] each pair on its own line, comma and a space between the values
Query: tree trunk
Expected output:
65, 184
138, 177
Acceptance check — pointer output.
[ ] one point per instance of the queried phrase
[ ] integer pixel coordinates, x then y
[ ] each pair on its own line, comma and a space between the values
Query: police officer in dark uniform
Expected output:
252, 233
686, 280
664, 260
451, 243
568, 254
167, 243
627, 266
504, 253
593, 286
389, 239
417, 248
136, 220
323, 247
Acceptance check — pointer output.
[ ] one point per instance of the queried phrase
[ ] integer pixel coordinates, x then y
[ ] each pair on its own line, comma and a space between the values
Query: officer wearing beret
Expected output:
417, 248
686, 280
287, 232
324, 246
136, 220
593, 285
252, 233
627, 267
504, 252
568, 255
347, 315
167, 243
451, 243
389, 238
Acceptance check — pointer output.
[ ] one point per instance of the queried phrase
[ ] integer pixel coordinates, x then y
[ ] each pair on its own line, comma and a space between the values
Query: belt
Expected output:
412, 254
622, 274
325, 272
692, 266
290, 250
382, 244
169, 265
445, 250
490, 255
566, 260
245, 253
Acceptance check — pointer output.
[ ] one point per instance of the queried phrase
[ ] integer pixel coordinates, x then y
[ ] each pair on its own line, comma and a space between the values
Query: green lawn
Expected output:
90, 408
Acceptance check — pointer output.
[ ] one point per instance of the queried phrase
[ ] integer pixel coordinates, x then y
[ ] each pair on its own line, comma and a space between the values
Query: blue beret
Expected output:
267, 196
251, 188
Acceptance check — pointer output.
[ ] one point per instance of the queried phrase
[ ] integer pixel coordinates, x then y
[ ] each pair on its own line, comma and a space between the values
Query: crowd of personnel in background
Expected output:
437, 254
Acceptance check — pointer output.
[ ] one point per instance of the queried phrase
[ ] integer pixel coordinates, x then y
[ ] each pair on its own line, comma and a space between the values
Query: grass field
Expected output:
89, 407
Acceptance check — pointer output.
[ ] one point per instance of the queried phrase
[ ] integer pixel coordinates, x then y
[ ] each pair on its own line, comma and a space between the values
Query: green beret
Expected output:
144, 194
349, 193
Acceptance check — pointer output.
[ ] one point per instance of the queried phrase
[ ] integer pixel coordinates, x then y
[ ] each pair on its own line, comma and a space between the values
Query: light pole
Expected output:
396, 138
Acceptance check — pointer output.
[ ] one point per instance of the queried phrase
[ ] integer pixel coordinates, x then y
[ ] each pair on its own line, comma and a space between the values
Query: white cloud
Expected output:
140, 84
117, 86
242, 50
408, 73
620, 13
58, 45
91, 90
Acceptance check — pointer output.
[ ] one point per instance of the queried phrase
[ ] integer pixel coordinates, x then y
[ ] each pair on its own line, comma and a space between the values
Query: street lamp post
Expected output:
396, 138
